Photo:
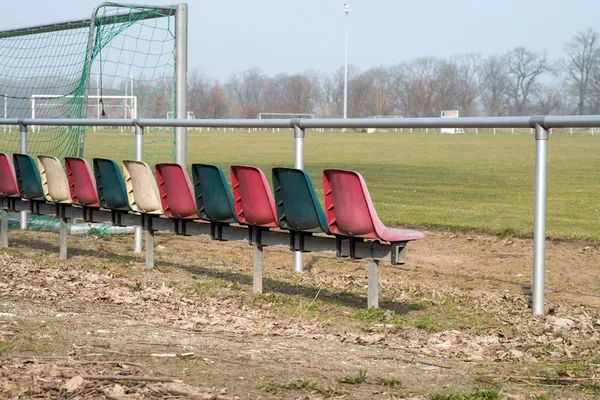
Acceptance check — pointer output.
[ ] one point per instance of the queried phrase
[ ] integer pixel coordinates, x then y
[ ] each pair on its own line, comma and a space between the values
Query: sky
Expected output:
282, 36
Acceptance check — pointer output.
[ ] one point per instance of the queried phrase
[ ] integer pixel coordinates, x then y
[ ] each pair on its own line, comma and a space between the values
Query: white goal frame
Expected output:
129, 103
190, 115
372, 130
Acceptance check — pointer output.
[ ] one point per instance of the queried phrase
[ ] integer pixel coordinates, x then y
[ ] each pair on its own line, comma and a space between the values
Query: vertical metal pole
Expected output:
88, 72
298, 164
150, 248
181, 52
373, 286
257, 270
539, 219
4, 228
139, 156
23, 150
6, 109
346, 66
62, 230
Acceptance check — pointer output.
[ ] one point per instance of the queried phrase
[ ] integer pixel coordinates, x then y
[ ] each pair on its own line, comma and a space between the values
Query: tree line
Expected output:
518, 82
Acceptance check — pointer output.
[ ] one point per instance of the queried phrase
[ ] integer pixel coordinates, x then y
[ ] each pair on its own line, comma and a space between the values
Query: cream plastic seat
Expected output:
142, 190
54, 180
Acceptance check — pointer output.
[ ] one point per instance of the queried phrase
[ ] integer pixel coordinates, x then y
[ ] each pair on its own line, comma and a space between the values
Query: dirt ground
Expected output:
454, 322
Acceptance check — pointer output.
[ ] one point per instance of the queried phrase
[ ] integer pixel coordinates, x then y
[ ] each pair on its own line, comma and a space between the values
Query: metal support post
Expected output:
4, 228
23, 150
298, 164
139, 156
181, 51
373, 287
150, 248
539, 219
257, 282
62, 231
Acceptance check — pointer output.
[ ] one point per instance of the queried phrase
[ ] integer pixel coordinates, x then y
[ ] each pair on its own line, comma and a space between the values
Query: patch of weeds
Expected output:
4, 346
475, 394
390, 382
374, 315
295, 384
570, 369
269, 387
137, 287
591, 389
298, 384
125, 382
271, 298
354, 379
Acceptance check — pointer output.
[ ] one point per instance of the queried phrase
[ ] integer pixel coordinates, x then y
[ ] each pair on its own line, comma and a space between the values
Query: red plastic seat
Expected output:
176, 193
252, 197
82, 183
8, 177
350, 211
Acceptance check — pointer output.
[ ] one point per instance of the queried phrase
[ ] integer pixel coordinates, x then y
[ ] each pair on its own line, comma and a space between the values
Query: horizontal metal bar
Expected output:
324, 244
579, 121
85, 23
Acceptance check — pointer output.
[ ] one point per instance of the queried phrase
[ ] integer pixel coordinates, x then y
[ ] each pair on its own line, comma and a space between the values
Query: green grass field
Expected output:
478, 183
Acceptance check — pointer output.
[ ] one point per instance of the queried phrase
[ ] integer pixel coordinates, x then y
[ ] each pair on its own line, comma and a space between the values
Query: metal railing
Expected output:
541, 124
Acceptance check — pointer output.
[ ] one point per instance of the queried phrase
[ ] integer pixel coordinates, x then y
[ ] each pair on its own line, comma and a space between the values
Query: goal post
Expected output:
277, 115
129, 56
48, 105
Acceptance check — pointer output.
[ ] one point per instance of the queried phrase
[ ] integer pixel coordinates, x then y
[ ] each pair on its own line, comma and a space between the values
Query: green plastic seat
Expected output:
213, 197
110, 185
28, 177
298, 208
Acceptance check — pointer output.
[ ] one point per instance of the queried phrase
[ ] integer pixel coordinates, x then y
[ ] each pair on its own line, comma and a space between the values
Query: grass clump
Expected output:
475, 394
361, 377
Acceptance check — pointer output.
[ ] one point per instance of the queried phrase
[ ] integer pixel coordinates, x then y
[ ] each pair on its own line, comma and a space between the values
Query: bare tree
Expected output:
524, 69
414, 87
469, 71
583, 55
332, 100
494, 85
248, 88
549, 100
380, 100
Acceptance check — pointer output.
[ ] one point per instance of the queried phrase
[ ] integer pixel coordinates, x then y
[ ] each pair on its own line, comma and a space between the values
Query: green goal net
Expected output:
118, 64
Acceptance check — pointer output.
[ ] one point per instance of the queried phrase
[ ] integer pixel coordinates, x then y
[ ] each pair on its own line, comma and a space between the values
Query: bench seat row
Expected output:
292, 205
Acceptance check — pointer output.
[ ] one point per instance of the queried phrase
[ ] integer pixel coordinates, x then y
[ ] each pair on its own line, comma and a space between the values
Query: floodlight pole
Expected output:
181, 67
346, 65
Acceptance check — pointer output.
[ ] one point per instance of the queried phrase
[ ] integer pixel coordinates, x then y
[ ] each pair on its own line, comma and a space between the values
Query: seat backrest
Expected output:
213, 197
28, 177
82, 184
298, 207
8, 178
142, 191
54, 180
252, 198
175, 189
348, 205
110, 184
